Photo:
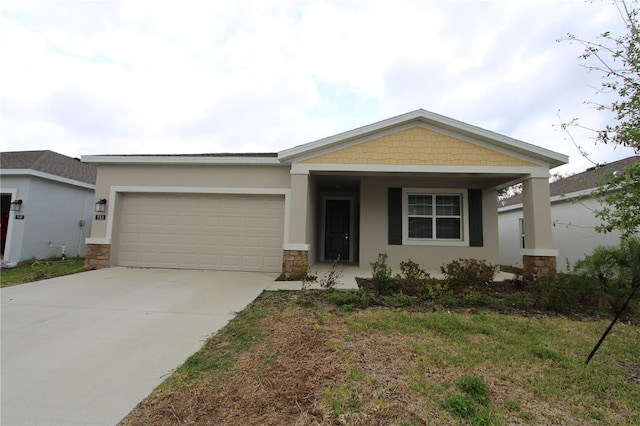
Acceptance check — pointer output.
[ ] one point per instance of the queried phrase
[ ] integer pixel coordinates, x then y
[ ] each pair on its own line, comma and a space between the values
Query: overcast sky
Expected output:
187, 76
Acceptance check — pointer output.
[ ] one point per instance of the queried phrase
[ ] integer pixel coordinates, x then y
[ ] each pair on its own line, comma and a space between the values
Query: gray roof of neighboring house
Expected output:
49, 162
589, 179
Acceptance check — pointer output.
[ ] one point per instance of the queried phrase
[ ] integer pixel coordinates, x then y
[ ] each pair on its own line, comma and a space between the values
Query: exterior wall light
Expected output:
101, 205
16, 205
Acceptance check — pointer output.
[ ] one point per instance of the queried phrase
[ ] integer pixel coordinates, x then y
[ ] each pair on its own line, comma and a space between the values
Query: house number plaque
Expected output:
19, 217
101, 216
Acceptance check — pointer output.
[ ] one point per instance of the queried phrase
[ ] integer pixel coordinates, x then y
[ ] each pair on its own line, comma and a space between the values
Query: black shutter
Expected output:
395, 216
475, 218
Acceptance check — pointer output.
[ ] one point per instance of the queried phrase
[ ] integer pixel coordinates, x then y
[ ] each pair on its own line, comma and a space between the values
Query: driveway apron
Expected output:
85, 349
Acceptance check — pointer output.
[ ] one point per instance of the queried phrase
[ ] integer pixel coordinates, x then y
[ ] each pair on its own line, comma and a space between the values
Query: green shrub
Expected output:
301, 272
349, 297
465, 273
399, 299
357, 298
601, 282
347, 307
411, 276
432, 289
615, 269
381, 275
415, 281
473, 298
569, 293
366, 298
449, 300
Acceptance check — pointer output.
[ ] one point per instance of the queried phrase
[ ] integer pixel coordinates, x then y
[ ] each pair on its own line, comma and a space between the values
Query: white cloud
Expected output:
195, 76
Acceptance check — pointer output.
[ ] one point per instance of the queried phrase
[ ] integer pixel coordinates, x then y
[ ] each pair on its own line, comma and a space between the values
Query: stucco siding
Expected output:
193, 176
573, 231
509, 237
52, 213
417, 146
374, 225
187, 176
312, 219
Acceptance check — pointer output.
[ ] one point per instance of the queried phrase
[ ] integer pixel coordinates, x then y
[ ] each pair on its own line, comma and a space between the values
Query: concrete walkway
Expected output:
86, 348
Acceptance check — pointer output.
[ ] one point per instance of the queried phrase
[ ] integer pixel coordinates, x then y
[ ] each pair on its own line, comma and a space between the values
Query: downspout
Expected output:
82, 222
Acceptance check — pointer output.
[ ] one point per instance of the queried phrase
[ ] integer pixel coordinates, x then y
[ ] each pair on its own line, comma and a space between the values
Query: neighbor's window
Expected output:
434, 216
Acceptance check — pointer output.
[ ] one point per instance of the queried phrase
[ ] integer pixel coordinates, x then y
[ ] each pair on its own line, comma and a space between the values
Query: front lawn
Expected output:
35, 270
298, 358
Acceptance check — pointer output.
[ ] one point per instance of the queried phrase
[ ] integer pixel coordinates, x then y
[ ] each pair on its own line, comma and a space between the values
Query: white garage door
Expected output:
224, 232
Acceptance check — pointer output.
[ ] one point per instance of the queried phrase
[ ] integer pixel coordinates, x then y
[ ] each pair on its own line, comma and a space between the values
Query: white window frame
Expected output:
463, 193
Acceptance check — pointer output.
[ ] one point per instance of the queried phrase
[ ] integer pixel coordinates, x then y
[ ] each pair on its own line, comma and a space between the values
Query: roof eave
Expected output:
48, 176
179, 160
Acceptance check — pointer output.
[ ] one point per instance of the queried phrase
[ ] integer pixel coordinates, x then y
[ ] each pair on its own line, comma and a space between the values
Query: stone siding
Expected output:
98, 256
293, 261
538, 266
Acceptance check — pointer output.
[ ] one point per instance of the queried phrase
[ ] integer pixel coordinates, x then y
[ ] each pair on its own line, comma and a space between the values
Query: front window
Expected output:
433, 216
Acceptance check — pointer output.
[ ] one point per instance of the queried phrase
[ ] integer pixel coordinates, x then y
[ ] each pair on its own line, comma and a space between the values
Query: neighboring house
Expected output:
573, 218
419, 186
47, 204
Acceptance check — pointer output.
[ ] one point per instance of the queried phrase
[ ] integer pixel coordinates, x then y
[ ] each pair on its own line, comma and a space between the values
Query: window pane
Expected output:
448, 205
420, 205
420, 227
448, 228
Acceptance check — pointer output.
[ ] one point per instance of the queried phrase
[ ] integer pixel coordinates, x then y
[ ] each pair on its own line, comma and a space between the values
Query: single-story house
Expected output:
572, 213
47, 205
418, 186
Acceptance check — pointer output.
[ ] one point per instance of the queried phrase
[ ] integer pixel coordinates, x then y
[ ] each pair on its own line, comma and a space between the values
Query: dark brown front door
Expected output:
337, 228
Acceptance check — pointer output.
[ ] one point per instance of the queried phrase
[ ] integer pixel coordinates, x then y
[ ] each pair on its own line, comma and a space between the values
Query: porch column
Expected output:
538, 256
296, 246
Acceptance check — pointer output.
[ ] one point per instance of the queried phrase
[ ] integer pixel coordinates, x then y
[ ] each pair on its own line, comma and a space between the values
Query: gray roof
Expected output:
49, 162
219, 154
589, 179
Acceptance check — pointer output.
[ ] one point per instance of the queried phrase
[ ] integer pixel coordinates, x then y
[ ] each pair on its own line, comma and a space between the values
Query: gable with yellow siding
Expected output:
419, 146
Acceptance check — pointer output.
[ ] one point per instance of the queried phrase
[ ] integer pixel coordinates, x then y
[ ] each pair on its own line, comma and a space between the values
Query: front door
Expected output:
4, 221
337, 227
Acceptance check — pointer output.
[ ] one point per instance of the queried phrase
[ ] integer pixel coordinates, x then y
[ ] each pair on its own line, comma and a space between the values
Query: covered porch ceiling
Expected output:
351, 180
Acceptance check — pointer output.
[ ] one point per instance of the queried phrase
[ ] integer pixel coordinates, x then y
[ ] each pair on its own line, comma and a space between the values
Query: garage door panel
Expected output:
230, 232
253, 241
273, 262
251, 260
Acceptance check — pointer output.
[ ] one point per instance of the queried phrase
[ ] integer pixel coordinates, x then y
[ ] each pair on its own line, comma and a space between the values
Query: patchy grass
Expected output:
284, 360
36, 270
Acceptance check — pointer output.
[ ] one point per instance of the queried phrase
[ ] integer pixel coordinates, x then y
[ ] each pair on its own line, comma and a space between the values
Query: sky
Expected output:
91, 77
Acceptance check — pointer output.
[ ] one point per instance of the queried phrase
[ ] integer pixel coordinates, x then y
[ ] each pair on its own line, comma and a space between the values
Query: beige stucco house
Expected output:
417, 186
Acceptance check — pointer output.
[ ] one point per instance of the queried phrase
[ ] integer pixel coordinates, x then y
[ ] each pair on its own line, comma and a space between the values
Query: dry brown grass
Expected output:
313, 368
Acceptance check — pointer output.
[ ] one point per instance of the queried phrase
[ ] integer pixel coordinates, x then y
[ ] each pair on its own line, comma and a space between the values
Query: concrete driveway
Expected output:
86, 348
